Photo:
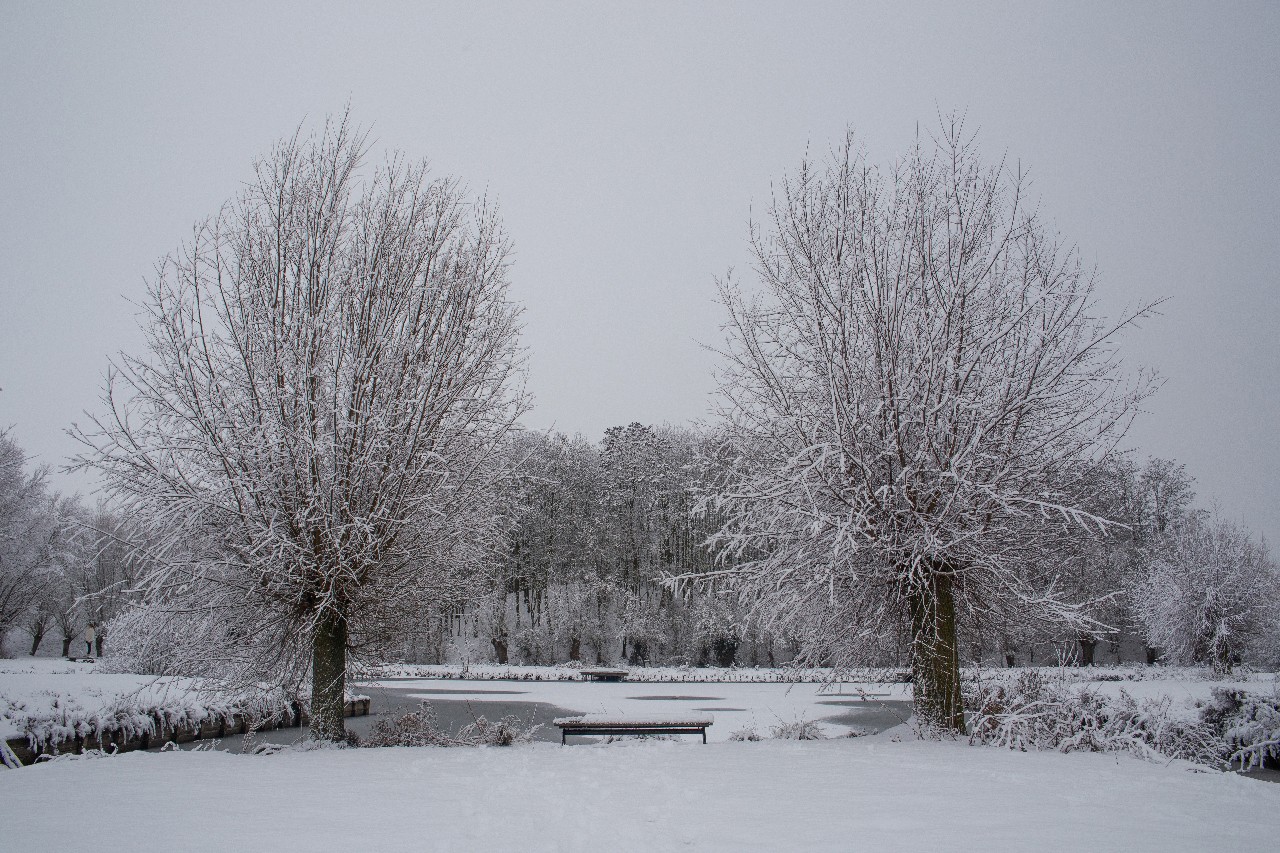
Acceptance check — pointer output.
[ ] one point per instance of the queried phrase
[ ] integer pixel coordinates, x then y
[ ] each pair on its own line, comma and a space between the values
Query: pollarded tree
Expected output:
331, 361
912, 401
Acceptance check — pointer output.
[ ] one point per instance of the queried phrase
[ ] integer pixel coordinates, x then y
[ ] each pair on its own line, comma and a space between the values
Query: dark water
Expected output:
874, 715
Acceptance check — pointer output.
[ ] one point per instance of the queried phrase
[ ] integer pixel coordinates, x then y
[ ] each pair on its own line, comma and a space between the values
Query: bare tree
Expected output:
331, 362
911, 402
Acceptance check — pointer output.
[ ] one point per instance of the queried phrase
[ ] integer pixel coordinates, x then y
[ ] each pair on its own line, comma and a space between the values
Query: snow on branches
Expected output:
1210, 591
912, 402
330, 363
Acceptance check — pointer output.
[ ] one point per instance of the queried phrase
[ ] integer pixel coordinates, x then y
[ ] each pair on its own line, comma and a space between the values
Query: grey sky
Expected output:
627, 144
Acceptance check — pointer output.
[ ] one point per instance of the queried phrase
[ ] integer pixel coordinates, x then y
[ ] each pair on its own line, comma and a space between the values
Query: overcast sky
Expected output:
627, 145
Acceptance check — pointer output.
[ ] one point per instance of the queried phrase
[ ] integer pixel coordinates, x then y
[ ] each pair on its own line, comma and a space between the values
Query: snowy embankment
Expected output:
53, 703
1123, 674
571, 672
847, 794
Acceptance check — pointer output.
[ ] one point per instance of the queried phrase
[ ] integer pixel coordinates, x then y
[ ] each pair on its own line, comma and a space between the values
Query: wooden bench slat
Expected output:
603, 724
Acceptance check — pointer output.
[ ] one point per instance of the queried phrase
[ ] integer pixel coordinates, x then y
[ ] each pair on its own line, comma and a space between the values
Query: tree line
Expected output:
63, 565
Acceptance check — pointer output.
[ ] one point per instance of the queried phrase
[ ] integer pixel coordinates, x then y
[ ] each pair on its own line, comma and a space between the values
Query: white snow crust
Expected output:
837, 795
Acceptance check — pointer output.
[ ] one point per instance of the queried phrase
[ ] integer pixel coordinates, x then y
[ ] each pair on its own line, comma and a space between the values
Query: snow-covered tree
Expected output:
1210, 592
331, 362
28, 537
910, 404
1155, 500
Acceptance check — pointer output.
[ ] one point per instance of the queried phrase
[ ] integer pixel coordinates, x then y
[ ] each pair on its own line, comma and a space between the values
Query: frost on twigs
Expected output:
912, 409
797, 730
308, 440
1034, 712
1250, 726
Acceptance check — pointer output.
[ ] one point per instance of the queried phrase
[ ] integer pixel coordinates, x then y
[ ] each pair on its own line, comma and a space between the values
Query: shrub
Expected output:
1249, 726
421, 728
1033, 712
798, 730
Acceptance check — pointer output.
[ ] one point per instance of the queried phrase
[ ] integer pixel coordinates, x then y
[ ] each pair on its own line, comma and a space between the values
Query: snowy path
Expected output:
863, 794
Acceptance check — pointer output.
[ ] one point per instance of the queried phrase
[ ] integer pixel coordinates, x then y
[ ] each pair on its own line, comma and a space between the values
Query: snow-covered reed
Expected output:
1034, 711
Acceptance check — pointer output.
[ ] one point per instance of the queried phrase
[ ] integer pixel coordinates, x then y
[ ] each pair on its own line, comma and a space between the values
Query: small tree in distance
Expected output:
911, 405
331, 362
1209, 593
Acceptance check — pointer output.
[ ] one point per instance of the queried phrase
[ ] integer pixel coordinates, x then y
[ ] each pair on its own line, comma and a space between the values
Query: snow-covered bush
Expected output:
504, 732
798, 730
1249, 725
747, 733
416, 728
422, 728
1035, 712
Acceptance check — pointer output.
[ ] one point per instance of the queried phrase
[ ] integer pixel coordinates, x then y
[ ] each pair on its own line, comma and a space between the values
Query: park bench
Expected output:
607, 724
604, 674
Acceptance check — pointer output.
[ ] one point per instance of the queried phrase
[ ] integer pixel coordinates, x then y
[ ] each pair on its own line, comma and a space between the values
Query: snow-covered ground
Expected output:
883, 792
848, 794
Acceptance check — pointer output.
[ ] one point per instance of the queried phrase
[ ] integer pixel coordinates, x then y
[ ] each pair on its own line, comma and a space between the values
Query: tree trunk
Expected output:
329, 676
36, 636
1221, 657
935, 657
97, 644
66, 646
575, 647
1152, 654
499, 649
1087, 648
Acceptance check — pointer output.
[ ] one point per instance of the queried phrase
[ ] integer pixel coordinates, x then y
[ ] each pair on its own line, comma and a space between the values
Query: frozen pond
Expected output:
837, 708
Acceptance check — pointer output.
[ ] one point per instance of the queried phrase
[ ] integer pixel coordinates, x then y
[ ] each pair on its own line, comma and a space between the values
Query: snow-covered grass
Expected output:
882, 792
844, 794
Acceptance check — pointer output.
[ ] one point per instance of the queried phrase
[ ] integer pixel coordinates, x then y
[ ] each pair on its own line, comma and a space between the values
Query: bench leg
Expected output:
562, 737
704, 735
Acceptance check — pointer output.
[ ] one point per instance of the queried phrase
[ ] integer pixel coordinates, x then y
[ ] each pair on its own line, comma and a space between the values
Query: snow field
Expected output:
849, 795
